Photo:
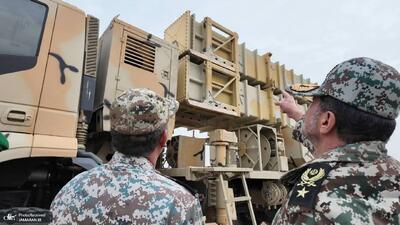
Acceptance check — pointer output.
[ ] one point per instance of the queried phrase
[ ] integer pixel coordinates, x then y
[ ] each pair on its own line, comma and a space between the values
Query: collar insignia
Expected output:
310, 176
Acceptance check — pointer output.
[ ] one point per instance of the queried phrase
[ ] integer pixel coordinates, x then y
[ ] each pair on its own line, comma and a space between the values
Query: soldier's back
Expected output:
125, 191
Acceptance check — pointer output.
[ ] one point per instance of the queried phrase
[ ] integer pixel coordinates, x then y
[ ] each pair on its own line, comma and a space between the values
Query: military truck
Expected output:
52, 91
58, 78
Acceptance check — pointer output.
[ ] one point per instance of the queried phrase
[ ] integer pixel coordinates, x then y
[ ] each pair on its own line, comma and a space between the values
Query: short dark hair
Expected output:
354, 125
136, 145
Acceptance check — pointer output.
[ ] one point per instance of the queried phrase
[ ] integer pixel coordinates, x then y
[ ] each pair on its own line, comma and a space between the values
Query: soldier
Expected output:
128, 190
352, 180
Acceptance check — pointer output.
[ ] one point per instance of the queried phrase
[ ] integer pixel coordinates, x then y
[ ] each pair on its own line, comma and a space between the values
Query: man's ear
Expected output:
163, 138
327, 122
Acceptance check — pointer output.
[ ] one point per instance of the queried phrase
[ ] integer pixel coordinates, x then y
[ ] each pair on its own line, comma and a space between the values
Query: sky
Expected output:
309, 36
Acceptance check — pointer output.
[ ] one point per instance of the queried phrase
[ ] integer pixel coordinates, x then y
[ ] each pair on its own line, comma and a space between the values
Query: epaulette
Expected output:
306, 189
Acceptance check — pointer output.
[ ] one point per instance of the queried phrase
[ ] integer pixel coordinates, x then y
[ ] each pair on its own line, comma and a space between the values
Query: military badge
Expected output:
308, 186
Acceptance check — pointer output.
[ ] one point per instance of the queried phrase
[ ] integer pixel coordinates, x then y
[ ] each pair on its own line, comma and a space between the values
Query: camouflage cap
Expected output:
141, 111
364, 83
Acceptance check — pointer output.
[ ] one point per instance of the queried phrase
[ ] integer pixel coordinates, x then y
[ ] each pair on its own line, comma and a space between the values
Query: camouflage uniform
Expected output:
361, 186
356, 183
299, 136
128, 190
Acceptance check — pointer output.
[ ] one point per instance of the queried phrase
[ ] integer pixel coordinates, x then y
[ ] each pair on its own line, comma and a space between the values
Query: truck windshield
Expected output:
21, 24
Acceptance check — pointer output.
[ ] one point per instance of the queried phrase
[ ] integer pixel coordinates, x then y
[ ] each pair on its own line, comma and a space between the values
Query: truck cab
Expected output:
54, 102
48, 55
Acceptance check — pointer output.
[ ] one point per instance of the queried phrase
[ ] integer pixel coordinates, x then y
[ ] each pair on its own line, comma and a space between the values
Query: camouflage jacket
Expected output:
353, 184
299, 136
127, 190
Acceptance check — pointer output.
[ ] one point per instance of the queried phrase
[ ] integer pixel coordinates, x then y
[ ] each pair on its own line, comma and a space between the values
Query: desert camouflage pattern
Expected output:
47, 93
364, 83
141, 111
363, 187
127, 190
298, 135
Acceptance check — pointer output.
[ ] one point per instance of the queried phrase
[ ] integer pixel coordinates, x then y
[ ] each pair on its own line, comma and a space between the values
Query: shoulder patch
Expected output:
306, 189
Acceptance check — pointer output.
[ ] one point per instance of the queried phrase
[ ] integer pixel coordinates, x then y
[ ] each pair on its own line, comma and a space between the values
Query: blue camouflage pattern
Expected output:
127, 190
141, 111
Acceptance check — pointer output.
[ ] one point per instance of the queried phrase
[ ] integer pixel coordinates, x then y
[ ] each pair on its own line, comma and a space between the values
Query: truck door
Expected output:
57, 116
25, 33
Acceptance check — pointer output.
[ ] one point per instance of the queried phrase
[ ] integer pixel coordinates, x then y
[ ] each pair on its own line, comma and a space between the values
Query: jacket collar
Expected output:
120, 159
360, 152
